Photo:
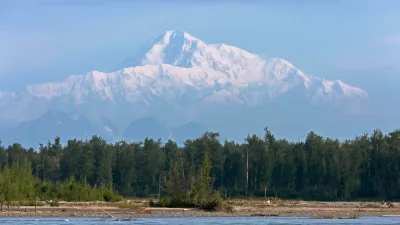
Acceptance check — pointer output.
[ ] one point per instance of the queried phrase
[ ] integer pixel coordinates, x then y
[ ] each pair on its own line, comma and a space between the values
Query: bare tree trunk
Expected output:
183, 173
159, 187
247, 171
212, 181
255, 180
36, 186
265, 191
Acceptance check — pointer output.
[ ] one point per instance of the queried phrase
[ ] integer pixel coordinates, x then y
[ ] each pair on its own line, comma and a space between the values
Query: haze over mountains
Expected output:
178, 86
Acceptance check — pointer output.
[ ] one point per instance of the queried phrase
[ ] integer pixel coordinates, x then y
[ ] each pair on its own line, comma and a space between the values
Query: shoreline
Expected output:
319, 210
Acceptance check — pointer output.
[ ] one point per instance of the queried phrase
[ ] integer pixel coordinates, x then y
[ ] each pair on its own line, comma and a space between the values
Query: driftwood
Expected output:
144, 211
388, 204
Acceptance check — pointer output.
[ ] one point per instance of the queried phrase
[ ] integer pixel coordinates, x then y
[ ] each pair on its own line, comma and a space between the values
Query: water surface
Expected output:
196, 220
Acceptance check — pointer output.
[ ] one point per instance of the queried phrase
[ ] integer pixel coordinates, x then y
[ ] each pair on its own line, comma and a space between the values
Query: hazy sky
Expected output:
345, 39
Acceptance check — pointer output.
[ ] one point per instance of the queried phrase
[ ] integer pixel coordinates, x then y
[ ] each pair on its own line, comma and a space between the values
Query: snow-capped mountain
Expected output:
176, 63
177, 70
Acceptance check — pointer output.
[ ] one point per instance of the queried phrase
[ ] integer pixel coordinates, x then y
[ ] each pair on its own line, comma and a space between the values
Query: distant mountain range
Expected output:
178, 86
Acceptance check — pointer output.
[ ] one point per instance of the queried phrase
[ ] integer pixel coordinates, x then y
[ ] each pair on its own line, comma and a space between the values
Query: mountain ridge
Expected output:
178, 75
276, 74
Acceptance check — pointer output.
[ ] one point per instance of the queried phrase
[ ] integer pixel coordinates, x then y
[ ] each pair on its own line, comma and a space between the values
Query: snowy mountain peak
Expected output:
181, 49
174, 47
173, 36
178, 69
175, 62
350, 90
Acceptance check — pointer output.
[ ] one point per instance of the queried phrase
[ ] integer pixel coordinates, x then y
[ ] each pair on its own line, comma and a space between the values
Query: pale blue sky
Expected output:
345, 39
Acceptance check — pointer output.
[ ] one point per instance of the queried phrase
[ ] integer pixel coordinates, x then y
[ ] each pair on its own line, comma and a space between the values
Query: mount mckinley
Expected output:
179, 86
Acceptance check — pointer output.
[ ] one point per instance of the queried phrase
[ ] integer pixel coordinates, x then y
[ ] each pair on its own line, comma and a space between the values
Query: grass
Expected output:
129, 205
26, 203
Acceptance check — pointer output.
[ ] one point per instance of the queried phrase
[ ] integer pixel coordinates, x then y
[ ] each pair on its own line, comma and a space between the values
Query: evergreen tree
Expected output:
317, 168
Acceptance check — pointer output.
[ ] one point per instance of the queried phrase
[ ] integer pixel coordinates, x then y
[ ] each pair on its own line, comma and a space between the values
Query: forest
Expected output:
318, 168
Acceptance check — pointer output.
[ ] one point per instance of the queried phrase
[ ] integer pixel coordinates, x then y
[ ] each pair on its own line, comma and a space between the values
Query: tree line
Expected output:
318, 168
18, 186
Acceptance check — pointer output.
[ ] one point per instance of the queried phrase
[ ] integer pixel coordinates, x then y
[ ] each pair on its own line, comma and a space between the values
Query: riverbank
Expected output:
233, 208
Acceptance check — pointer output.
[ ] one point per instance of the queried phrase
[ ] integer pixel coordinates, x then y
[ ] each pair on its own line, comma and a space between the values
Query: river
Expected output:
201, 220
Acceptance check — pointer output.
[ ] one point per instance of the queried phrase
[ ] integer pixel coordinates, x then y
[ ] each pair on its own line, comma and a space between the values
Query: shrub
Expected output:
213, 203
54, 203
109, 196
154, 204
